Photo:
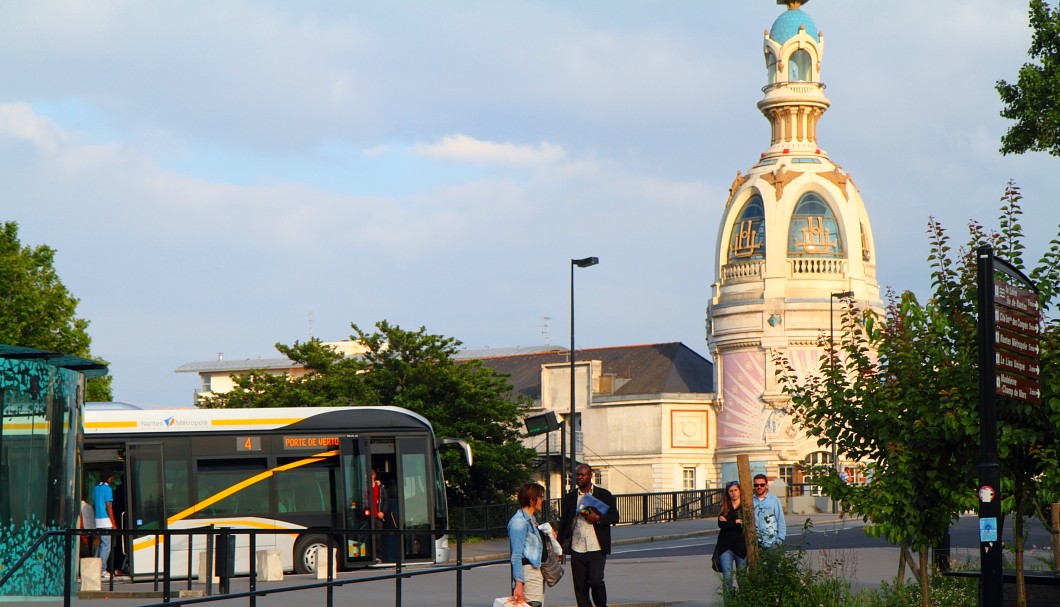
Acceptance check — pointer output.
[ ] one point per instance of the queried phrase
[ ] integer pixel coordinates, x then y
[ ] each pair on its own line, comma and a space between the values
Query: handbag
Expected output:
551, 569
715, 563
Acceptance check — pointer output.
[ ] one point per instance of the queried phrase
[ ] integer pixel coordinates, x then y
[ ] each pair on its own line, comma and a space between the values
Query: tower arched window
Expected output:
799, 66
748, 240
771, 67
814, 230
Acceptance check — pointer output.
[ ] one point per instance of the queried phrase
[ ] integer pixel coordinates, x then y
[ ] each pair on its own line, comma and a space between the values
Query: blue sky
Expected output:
213, 174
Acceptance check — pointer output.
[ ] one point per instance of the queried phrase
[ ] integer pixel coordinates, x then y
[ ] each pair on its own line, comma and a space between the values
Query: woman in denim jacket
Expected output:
527, 547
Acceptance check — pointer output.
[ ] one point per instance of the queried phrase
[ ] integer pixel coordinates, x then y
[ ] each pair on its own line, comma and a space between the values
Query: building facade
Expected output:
794, 247
644, 414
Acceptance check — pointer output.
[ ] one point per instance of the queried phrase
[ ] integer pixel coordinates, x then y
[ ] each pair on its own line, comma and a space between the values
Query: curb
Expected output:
504, 556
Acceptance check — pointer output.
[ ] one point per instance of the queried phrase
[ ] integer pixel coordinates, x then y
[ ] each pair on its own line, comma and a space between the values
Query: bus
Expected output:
305, 470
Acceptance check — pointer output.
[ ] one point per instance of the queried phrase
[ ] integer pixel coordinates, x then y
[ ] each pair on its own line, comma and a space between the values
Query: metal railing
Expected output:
163, 582
633, 509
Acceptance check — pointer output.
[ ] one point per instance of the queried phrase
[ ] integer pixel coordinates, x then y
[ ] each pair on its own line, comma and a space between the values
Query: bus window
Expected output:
305, 489
145, 463
217, 476
178, 472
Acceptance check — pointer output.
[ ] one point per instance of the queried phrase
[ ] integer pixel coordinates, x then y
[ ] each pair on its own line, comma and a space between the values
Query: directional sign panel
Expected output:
1016, 342
1019, 365
1019, 322
1016, 298
1020, 388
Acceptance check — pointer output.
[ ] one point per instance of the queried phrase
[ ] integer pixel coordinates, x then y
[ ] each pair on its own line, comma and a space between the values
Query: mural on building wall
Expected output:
37, 472
742, 417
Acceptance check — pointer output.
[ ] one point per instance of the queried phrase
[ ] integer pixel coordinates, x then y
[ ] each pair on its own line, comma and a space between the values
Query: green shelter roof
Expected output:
89, 368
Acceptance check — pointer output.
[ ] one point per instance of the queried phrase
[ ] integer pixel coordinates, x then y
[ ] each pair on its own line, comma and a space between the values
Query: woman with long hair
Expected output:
732, 547
528, 548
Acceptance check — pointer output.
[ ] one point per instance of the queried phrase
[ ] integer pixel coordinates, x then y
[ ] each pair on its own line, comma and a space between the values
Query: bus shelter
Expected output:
42, 396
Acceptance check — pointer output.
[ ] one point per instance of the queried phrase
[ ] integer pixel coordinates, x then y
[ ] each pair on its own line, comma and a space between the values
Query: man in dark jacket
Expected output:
585, 533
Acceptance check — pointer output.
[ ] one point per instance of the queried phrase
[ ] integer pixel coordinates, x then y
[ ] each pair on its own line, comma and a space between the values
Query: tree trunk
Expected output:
924, 575
750, 532
901, 565
1055, 531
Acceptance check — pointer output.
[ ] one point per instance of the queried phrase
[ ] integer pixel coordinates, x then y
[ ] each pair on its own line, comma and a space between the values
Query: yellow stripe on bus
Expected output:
150, 541
110, 424
257, 478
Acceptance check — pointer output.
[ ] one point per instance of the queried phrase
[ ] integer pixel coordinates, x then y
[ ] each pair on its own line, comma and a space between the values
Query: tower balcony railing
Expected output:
741, 271
802, 266
799, 87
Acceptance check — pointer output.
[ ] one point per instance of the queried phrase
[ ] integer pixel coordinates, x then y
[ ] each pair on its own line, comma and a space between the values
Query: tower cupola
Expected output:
794, 94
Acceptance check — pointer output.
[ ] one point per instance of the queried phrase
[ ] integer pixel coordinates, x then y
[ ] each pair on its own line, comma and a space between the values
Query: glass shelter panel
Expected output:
40, 426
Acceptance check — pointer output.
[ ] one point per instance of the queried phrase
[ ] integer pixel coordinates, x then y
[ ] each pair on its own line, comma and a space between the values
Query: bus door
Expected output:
145, 483
360, 547
415, 465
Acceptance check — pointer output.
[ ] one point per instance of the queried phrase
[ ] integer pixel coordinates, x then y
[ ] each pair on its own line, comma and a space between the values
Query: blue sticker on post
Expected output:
988, 529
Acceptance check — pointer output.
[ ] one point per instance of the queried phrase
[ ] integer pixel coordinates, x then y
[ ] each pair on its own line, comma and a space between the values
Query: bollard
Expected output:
323, 563
203, 568
91, 570
269, 567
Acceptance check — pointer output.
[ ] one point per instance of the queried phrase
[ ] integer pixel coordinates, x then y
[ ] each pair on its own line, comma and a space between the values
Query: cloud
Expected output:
464, 149
18, 121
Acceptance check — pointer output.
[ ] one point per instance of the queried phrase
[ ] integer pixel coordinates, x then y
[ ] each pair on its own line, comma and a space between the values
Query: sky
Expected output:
218, 177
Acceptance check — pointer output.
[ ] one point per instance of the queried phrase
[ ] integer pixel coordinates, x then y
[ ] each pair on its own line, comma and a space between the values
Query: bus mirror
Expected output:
443, 442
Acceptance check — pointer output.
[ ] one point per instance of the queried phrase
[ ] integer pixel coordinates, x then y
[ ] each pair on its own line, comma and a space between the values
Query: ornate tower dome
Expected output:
794, 239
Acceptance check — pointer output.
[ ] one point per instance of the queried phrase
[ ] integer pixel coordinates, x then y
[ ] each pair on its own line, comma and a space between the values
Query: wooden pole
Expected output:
1056, 536
750, 533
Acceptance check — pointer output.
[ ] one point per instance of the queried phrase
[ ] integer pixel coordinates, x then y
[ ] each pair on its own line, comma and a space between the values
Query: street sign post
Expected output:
1008, 366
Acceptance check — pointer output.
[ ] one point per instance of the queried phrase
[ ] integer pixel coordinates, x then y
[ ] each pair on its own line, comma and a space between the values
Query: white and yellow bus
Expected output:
306, 470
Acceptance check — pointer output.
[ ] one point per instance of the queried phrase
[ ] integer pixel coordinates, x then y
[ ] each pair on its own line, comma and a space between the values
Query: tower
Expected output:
793, 237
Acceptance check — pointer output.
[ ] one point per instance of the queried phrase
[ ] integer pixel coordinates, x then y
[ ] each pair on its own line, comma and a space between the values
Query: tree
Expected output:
1034, 101
903, 398
37, 310
417, 371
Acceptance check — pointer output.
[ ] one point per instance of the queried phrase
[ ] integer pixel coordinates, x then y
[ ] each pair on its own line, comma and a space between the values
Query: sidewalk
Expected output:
686, 581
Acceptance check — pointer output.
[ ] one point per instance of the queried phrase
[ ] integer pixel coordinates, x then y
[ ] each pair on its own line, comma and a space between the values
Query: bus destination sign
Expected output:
298, 442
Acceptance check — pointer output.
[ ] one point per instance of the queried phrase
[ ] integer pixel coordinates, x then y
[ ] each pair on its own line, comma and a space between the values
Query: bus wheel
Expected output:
305, 552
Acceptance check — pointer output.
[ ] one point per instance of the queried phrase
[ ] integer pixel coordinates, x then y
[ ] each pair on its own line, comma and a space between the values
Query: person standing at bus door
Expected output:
585, 534
377, 509
86, 520
103, 499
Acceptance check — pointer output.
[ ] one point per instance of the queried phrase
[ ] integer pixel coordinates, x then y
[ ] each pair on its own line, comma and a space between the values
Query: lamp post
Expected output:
831, 362
581, 263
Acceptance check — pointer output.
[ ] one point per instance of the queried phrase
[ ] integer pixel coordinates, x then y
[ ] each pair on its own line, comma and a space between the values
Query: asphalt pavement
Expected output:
651, 566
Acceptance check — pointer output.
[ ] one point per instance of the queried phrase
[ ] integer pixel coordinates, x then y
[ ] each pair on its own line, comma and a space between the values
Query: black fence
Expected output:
633, 509
220, 562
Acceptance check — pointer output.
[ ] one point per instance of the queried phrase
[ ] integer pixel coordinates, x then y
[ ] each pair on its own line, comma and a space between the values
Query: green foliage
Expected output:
903, 398
1034, 101
37, 310
785, 578
415, 370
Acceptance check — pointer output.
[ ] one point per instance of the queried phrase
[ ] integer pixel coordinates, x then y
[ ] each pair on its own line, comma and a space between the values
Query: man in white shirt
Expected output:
769, 516
585, 533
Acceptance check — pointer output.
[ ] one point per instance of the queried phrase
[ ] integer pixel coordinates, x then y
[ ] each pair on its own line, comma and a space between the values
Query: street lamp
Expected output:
831, 362
581, 263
